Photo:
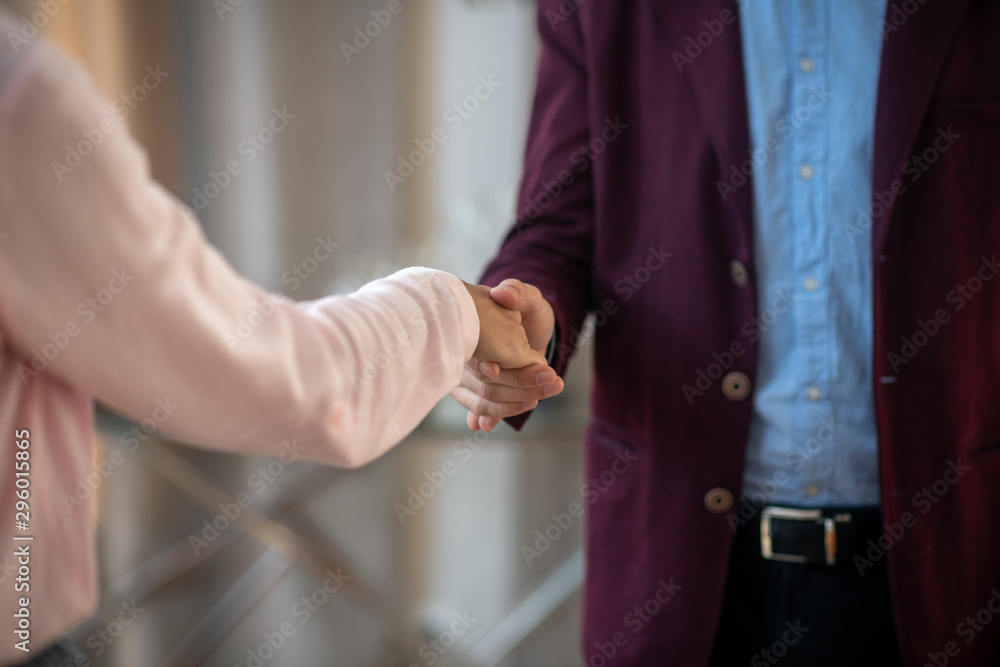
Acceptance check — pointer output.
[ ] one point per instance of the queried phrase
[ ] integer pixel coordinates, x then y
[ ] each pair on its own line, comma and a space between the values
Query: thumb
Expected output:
509, 294
537, 317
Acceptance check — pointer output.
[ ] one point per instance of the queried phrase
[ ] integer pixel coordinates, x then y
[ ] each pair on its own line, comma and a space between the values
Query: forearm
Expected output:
105, 266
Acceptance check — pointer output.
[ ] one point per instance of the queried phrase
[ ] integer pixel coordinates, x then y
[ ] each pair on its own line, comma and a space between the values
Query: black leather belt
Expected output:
828, 535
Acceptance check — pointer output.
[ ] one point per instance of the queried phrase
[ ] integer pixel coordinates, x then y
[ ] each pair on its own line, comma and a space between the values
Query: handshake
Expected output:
508, 373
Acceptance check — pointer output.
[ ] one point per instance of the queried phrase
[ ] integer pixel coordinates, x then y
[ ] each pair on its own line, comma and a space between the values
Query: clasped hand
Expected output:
508, 373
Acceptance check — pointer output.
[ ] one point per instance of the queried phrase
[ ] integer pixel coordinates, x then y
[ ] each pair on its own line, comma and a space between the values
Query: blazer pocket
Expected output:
964, 113
989, 450
604, 432
988, 442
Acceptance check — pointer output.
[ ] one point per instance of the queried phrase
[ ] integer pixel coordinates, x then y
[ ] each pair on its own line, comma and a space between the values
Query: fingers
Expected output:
498, 392
534, 375
478, 405
489, 369
511, 392
477, 423
524, 357
516, 324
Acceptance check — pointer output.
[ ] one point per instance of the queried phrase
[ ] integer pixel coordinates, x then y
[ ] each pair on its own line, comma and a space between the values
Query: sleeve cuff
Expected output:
469, 316
552, 353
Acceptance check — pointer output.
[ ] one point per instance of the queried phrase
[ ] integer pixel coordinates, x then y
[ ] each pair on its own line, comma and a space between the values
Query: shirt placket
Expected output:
810, 261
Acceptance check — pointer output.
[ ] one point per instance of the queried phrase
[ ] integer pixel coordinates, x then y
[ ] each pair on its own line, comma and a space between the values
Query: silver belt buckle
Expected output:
815, 515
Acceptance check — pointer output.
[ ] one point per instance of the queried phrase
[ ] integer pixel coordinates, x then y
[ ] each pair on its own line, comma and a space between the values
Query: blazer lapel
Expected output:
913, 55
716, 80
912, 58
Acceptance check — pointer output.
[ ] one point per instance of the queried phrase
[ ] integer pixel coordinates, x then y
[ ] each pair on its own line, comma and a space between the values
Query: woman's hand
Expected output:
501, 335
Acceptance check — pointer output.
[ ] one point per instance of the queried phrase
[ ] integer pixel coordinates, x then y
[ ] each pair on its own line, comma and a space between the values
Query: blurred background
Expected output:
453, 549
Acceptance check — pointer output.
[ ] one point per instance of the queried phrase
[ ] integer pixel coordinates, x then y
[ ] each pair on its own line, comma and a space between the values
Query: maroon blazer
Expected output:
627, 149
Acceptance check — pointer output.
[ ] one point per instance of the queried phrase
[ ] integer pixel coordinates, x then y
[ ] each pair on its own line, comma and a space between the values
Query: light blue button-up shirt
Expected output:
811, 69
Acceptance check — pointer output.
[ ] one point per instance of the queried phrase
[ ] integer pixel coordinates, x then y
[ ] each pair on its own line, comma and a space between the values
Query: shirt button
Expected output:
813, 393
736, 386
811, 284
812, 490
719, 500
807, 64
741, 277
806, 172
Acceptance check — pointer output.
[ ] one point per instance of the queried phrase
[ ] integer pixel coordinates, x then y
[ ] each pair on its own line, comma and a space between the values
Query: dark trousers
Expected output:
778, 613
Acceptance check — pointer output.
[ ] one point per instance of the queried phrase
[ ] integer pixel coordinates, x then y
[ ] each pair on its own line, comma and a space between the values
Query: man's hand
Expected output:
493, 391
536, 314
502, 338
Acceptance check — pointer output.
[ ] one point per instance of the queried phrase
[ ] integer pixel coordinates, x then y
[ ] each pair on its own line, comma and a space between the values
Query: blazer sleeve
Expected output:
108, 284
550, 243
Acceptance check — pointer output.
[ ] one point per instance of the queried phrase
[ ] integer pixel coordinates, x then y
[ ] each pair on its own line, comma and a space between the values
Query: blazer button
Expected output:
736, 386
719, 500
741, 277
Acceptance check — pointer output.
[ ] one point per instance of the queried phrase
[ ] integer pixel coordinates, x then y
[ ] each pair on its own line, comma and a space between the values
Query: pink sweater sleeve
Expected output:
108, 284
